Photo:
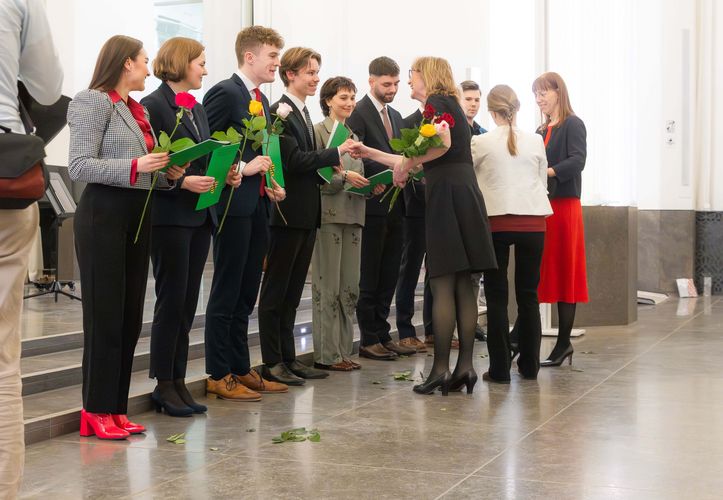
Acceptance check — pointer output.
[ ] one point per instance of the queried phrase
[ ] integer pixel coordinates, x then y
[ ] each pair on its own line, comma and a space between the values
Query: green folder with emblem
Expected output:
221, 161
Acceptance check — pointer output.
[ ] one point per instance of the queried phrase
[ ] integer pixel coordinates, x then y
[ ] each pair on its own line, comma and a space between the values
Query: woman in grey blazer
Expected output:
110, 144
337, 252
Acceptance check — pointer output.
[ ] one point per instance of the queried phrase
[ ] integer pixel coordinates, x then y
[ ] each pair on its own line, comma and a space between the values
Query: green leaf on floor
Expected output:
297, 435
577, 369
177, 438
251, 430
213, 448
405, 376
376, 382
588, 352
484, 355
443, 409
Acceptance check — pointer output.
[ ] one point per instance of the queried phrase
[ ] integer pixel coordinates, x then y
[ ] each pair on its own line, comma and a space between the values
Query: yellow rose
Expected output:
427, 130
256, 108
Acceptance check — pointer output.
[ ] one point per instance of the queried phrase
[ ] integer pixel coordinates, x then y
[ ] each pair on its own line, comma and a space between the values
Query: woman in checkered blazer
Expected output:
110, 144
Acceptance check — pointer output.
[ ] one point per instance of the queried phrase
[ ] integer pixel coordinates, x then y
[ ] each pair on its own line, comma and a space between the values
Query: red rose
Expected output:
447, 118
185, 100
429, 111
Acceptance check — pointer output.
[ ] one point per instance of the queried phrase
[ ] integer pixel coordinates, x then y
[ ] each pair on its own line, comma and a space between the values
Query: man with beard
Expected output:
375, 123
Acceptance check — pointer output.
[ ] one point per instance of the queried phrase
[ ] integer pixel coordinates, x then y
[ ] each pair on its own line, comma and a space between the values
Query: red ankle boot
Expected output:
100, 425
125, 424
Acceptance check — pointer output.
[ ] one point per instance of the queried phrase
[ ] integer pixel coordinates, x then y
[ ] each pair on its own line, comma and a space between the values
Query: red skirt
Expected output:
563, 277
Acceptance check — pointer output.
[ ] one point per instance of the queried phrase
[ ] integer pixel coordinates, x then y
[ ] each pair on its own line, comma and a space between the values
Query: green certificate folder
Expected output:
383, 177
221, 161
194, 152
339, 134
273, 150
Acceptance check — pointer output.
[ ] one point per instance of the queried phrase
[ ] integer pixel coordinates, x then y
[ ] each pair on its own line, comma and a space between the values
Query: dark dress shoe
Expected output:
280, 373
377, 351
432, 383
341, 366
399, 349
301, 370
479, 334
488, 378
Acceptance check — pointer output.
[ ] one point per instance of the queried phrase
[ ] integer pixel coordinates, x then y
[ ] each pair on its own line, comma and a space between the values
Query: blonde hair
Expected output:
437, 75
503, 101
553, 81
174, 56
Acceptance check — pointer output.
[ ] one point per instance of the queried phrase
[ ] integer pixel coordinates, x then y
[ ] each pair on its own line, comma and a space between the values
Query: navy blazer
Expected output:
302, 206
227, 103
178, 206
366, 123
566, 154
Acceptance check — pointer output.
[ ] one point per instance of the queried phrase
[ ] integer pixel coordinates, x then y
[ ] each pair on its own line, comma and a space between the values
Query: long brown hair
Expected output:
553, 81
111, 59
437, 75
503, 101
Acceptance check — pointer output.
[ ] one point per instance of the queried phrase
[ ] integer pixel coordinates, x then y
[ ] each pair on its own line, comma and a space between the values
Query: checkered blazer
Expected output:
104, 139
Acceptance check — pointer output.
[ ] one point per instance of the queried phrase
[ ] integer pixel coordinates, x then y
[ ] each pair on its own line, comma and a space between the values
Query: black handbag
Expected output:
23, 176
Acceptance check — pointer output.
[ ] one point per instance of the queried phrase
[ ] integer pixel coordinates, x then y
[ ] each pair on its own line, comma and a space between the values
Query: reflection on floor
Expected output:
638, 415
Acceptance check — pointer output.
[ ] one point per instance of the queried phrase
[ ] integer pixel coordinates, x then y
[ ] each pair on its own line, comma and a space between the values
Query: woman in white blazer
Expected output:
511, 169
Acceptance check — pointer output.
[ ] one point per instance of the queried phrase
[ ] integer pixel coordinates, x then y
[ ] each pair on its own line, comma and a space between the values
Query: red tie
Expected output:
262, 192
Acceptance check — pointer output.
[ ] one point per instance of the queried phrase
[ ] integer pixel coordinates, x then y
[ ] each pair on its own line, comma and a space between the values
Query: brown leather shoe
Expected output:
399, 349
429, 340
354, 365
377, 351
414, 343
255, 382
341, 366
230, 389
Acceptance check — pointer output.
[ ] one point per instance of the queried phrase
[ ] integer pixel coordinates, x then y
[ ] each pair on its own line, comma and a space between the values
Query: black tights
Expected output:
565, 319
454, 304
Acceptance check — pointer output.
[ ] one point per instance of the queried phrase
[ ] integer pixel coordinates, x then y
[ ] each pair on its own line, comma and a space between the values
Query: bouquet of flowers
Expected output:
416, 141
254, 128
185, 103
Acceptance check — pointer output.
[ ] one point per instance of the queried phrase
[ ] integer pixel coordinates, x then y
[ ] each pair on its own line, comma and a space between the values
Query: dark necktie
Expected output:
309, 126
387, 123
262, 192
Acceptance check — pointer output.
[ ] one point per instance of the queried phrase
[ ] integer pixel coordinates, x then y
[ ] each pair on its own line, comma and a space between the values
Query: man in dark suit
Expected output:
293, 234
375, 123
470, 100
238, 251
413, 249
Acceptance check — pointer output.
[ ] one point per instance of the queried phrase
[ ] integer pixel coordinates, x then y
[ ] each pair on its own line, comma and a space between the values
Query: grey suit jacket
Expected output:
338, 206
104, 140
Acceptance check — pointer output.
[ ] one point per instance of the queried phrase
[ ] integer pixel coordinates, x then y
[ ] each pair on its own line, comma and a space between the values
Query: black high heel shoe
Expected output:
429, 386
165, 397
186, 397
560, 359
468, 379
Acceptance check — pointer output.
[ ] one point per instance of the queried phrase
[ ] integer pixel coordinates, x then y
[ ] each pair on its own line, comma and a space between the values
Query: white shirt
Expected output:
299, 104
380, 106
250, 86
515, 185
27, 54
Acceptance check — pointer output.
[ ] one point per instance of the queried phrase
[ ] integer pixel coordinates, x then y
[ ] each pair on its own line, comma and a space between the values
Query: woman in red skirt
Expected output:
563, 278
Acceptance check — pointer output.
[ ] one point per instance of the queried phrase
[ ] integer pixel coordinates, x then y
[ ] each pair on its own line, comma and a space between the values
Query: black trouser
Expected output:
287, 264
528, 255
381, 253
238, 256
113, 278
411, 263
179, 256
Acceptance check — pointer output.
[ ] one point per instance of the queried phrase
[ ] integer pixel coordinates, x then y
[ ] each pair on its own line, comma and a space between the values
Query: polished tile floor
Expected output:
639, 415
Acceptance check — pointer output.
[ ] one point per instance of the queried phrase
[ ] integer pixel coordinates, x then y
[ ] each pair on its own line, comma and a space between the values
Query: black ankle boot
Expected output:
165, 397
186, 397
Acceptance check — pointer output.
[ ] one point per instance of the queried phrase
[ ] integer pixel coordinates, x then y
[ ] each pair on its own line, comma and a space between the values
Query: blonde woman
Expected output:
458, 237
511, 168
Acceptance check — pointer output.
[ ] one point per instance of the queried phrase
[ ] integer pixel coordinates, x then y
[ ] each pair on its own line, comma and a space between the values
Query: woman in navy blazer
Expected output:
181, 234
110, 144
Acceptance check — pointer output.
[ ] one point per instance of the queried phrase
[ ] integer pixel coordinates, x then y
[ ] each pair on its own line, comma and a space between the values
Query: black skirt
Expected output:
458, 232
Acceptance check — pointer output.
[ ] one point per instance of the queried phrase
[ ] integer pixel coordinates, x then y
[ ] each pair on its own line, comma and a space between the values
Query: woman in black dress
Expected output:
458, 236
